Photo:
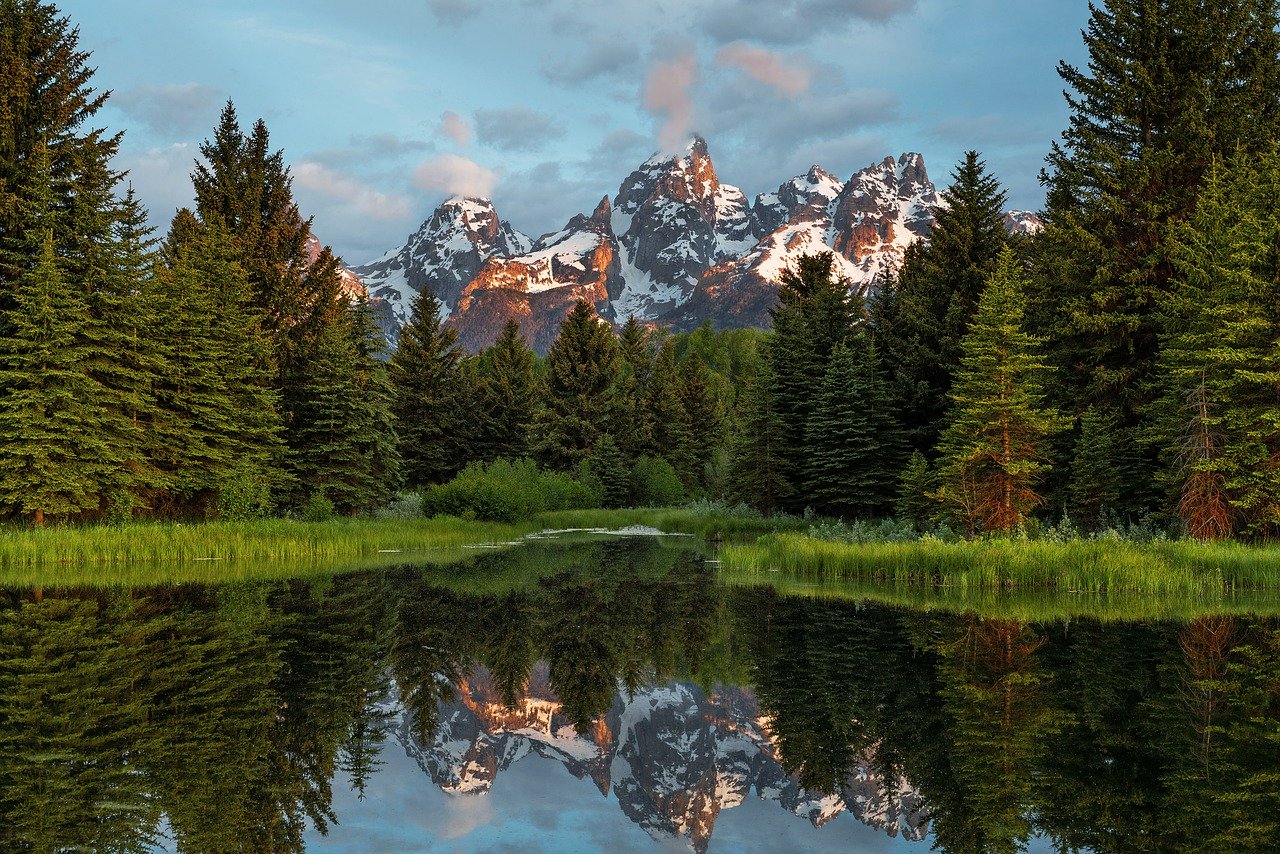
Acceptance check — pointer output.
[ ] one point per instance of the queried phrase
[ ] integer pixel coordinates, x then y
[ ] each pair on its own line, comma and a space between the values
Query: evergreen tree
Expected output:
46, 99
992, 448
757, 473
815, 313
424, 376
665, 404
580, 389
635, 422
1094, 488
915, 488
1168, 87
852, 442
505, 397
608, 472
936, 295
217, 424
246, 190
54, 459
1218, 419
701, 420
340, 445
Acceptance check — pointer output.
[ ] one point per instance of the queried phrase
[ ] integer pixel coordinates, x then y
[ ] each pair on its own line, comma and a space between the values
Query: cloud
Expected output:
620, 151
162, 179
178, 110
455, 175
454, 11
363, 198
793, 21
767, 67
454, 127
516, 128
603, 56
543, 198
668, 93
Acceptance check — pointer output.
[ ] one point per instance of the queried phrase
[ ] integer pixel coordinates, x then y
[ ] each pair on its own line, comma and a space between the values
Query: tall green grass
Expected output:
212, 551
1081, 566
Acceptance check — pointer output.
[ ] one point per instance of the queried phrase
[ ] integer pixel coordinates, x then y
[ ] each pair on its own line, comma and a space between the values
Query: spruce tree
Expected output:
1094, 488
580, 389
341, 441
815, 314
992, 451
701, 419
505, 397
217, 424
757, 465
853, 446
54, 459
427, 395
1167, 88
245, 188
46, 99
608, 471
936, 295
1217, 421
665, 403
634, 427
915, 488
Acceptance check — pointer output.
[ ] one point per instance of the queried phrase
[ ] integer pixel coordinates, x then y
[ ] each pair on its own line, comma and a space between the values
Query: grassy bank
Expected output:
1081, 566
158, 553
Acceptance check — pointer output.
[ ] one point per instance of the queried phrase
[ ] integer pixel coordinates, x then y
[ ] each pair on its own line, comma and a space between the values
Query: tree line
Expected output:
1120, 365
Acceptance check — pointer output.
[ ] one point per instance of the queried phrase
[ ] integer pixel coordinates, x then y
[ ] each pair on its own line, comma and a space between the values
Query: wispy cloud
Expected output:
453, 126
455, 175
668, 93
366, 200
175, 110
516, 128
786, 76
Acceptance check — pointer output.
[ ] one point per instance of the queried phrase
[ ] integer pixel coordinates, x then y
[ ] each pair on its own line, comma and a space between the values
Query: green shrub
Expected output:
654, 483
243, 496
318, 508
504, 491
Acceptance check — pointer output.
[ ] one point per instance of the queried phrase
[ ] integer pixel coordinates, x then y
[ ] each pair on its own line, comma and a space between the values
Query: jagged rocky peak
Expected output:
1023, 222
815, 189
443, 255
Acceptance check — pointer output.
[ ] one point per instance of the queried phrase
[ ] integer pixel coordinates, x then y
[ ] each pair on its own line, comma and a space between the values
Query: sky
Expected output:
384, 108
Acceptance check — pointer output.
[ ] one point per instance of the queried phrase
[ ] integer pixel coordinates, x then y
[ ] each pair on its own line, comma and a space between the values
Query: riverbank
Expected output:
1079, 566
162, 553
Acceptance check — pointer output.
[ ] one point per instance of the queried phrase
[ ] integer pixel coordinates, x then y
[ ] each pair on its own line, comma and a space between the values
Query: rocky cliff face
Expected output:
442, 256
675, 246
672, 756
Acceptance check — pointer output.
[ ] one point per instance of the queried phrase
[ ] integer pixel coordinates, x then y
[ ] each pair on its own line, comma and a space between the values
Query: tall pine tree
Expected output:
992, 451
427, 395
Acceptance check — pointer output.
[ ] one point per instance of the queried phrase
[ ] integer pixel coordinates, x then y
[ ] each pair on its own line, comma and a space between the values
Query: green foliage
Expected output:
505, 397
607, 472
506, 491
758, 469
993, 447
580, 390
427, 395
853, 443
243, 495
319, 508
921, 319
916, 485
1094, 489
655, 483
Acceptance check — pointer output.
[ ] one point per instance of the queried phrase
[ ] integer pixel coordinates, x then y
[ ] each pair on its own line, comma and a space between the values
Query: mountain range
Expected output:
672, 755
674, 247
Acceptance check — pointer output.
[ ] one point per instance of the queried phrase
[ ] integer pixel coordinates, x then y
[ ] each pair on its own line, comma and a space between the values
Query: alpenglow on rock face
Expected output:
674, 246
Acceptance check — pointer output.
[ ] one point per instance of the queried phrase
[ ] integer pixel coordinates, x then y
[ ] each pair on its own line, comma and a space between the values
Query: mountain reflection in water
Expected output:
201, 718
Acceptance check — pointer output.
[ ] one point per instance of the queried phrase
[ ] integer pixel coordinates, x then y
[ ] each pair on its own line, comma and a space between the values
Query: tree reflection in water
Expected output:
224, 714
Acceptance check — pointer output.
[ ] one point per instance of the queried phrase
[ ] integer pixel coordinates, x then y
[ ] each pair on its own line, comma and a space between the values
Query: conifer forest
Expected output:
1118, 368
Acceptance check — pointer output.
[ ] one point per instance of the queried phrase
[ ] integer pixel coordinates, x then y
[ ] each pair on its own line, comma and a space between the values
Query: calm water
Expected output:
612, 695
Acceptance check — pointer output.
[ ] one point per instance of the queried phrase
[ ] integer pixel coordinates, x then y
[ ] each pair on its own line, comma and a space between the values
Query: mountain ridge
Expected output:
675, 247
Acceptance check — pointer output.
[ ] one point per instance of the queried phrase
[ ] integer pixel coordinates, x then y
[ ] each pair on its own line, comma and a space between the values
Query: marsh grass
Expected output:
1079, 566
159, 553
208, 552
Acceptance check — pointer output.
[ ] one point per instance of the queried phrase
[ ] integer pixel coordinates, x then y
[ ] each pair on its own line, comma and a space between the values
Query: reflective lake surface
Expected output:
616, 694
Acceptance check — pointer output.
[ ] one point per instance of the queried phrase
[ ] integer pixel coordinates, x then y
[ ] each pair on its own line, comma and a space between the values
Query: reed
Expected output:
1078, 566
